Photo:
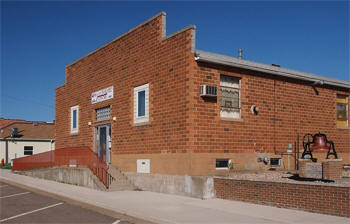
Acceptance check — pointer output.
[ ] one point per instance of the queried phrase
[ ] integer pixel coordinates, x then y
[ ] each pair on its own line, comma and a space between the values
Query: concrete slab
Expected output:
164, 208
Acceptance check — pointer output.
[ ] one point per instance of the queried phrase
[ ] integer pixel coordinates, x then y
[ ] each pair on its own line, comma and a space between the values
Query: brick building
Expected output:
136, 101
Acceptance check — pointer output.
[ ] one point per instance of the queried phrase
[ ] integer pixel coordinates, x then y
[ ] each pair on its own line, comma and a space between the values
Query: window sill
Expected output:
232, 119
74, 133
221, 168
141, 124
344, 128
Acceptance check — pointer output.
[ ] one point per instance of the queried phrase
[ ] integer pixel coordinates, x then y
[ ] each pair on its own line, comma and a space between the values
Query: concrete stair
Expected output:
120, 182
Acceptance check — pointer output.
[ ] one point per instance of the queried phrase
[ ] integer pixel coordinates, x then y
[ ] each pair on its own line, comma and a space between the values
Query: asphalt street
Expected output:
19, 205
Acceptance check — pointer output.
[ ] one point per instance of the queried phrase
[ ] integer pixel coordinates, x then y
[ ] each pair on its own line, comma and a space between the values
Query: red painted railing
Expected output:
78, 156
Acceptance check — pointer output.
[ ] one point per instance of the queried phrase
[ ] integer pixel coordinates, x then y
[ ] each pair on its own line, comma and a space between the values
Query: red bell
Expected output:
319, 143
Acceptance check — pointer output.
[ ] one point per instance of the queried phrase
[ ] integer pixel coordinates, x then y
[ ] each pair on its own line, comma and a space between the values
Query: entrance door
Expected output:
103, 142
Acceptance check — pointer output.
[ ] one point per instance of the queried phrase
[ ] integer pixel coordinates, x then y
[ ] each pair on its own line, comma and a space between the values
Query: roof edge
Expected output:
285, 72
189, 27
28, 139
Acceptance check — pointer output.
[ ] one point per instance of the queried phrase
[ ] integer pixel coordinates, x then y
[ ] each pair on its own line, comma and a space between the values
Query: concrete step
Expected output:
120, 182
121, 188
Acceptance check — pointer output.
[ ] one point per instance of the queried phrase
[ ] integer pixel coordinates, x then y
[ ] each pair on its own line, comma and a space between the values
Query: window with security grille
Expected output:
342, 111
230, 105
103, 114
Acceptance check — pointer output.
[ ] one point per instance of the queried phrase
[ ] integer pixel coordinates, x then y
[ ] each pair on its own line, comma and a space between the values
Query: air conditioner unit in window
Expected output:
209, 91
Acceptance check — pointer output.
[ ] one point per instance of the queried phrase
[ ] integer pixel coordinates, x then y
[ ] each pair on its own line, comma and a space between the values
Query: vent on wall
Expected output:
209, 91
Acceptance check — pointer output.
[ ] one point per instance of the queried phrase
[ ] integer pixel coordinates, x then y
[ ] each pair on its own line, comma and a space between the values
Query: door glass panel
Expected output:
97, 141
103, 143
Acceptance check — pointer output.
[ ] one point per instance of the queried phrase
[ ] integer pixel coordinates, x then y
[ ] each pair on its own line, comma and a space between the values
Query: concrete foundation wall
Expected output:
192, 186
71, 175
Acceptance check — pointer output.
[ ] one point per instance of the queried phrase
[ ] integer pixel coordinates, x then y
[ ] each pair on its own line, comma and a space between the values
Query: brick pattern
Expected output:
332, 169
180, 120
309, 169
140, 57
314, 198
287, 108
329, 169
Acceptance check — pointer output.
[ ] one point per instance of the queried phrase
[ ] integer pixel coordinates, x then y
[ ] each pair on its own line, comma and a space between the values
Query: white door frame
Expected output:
108, 141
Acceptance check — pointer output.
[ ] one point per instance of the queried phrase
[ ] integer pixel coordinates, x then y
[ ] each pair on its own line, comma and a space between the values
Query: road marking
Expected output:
116, 222
4, 185
26, 213
14, 195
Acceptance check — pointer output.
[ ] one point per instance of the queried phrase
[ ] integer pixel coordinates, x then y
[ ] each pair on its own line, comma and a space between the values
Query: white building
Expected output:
19, 139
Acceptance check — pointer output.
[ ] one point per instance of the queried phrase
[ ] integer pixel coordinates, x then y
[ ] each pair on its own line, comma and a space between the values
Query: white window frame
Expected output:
24, 150
346, 108
223, 168
145, 118
74, 130
279, 162
239, 92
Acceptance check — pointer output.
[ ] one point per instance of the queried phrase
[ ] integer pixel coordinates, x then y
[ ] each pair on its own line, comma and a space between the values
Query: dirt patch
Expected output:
285, 177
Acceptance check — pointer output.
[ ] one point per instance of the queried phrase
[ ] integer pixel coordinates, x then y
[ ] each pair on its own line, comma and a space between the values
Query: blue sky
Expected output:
38, 39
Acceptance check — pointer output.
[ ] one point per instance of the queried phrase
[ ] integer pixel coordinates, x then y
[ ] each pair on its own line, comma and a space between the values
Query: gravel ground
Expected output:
285, 177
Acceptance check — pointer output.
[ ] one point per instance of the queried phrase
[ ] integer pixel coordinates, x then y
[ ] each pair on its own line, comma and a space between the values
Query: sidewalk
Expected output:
164, 208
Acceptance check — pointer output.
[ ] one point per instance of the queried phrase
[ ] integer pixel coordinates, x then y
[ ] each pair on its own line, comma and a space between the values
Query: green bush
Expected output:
6, 166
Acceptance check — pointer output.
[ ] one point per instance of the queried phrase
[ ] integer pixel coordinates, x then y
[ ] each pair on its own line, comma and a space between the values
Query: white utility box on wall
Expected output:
143, 166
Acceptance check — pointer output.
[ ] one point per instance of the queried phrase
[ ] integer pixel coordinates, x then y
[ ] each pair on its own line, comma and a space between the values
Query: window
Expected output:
74, 119
342, 111
222, 164
103, 114
230, 97
141, 104
28, 150
275, 161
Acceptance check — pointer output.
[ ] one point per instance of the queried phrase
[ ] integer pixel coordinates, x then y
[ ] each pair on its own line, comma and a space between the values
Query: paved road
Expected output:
18, 205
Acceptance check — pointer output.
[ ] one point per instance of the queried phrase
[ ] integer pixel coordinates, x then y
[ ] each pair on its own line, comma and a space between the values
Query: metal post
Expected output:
295, 155
298, 152
7, 151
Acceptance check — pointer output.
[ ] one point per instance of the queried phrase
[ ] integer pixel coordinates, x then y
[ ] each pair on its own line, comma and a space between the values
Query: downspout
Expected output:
51, 159
274, 116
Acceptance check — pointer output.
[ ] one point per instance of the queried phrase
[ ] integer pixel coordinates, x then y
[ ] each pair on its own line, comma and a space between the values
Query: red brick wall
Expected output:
287, 108
314, 198
180, 120
332, 169
142, 56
